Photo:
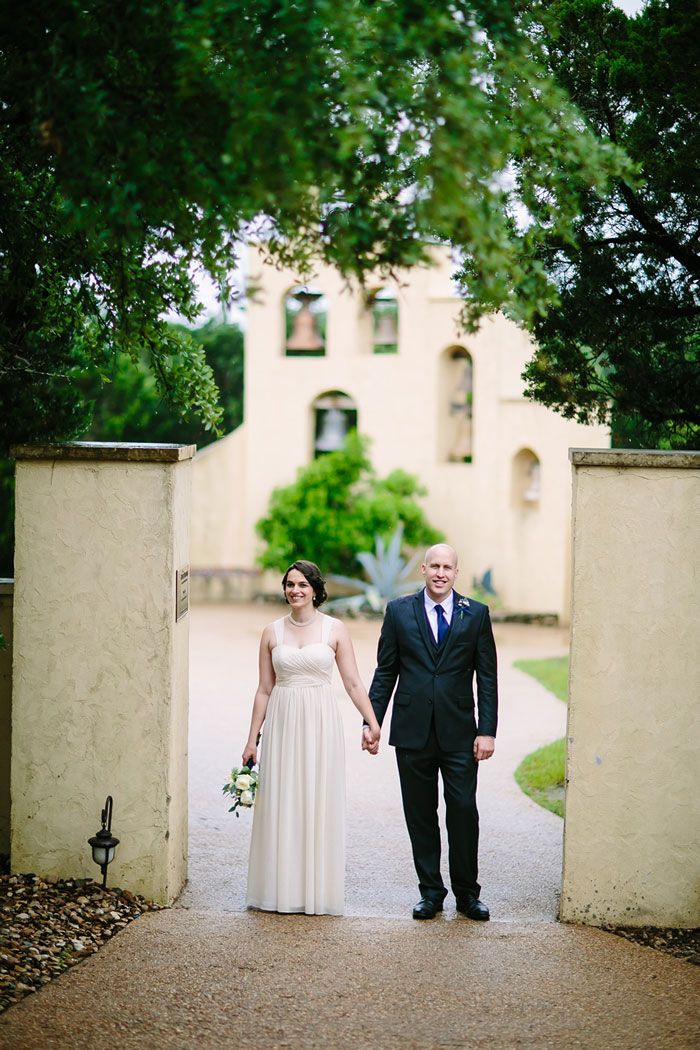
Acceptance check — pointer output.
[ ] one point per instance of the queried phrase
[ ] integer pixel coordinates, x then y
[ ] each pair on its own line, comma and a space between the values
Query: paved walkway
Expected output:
521, 842
209, 975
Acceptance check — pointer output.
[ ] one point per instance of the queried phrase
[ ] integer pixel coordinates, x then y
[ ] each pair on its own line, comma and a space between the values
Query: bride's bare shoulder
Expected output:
337, 629
269, 633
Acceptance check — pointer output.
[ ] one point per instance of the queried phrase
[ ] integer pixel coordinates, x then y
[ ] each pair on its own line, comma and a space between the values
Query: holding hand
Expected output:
370, 738
484, 747
250, 751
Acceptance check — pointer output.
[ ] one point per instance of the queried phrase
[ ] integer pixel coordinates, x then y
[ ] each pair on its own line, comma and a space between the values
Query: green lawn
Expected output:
553, 674
541, 773
541, 776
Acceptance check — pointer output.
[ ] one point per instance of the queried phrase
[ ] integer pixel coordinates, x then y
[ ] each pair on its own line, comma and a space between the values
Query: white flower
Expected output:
241, 784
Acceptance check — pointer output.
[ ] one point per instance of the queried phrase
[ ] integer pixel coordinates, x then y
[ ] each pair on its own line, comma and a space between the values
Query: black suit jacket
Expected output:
436, 682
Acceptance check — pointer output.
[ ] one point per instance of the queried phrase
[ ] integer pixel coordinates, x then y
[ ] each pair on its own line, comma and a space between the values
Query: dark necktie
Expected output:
442, 623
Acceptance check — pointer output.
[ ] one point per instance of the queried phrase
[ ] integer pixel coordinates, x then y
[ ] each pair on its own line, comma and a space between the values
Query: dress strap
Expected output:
279, 631
326, 628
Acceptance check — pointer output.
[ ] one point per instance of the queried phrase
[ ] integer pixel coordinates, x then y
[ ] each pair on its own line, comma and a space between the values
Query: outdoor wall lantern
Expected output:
104, 843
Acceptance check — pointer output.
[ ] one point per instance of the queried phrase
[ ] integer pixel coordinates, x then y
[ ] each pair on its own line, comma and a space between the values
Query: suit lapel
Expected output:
456, 626
424, 626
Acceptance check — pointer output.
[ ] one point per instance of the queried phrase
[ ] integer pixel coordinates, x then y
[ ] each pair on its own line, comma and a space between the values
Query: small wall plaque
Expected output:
182, 592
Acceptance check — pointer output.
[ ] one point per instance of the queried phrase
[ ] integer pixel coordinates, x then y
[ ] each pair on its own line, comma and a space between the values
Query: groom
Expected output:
433, 642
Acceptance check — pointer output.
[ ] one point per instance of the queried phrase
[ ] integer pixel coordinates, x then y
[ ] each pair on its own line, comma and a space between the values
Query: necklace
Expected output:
303, 623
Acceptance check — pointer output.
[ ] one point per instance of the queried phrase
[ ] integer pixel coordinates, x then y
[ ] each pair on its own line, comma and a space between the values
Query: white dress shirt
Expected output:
447, 604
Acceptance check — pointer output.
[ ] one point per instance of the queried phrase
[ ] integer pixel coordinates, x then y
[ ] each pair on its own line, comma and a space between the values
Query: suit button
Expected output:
430, 701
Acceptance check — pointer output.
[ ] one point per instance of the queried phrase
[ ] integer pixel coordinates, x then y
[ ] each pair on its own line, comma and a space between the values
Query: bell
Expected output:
305, 335
334, 430
386, 330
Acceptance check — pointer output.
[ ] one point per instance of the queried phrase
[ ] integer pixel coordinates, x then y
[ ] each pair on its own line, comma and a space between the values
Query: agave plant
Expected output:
388, 573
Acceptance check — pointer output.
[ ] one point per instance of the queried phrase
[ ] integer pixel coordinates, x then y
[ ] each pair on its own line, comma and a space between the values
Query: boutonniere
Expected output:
462, 604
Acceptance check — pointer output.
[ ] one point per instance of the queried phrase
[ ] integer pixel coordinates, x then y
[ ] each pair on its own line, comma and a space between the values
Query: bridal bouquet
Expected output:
241, 785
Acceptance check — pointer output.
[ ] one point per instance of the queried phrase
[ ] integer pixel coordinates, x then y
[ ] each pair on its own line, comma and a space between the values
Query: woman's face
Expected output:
298, 590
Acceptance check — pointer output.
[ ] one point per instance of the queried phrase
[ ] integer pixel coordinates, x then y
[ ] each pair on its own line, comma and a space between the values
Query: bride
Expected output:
297, 850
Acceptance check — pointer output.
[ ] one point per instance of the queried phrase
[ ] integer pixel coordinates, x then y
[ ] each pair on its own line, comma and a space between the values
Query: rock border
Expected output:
47, 927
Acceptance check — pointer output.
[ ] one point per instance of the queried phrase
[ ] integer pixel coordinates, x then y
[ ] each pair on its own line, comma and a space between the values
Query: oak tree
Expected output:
623, 341
140, 142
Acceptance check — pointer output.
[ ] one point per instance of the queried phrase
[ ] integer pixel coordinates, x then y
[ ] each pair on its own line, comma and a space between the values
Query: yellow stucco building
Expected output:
445, 406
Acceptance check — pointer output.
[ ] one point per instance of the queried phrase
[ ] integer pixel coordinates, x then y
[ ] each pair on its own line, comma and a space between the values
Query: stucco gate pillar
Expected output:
100, 670
632, 816
6, 592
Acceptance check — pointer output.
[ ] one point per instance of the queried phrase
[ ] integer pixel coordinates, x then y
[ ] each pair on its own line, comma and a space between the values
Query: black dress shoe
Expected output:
473, 908
426, 908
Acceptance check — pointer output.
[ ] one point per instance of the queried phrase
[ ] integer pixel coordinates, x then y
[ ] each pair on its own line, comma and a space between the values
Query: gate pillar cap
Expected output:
122, 451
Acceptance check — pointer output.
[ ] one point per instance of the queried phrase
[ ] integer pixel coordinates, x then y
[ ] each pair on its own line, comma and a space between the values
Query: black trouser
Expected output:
418, 773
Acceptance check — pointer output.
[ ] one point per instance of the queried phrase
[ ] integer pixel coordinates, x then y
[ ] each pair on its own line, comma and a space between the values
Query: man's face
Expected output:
440, 571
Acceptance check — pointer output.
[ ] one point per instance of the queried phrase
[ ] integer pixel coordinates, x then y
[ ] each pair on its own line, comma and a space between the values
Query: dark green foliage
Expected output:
624, 340
140, 141
336, 508
7, 517
126, 406
129, 409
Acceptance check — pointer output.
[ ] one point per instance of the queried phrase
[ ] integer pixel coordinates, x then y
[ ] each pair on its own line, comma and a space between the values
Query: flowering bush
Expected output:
241, 785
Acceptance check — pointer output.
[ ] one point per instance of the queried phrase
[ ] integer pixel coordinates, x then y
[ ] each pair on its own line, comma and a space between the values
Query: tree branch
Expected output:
680, 252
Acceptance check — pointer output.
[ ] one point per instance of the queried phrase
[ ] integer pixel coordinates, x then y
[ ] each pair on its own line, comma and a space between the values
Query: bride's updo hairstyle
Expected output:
313, 575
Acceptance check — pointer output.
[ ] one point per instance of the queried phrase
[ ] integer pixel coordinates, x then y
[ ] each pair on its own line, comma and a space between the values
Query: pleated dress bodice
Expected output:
303, 668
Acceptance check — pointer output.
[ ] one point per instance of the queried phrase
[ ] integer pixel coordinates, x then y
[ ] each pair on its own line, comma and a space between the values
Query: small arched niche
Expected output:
526, 480
457, 405
334, 416
305, 317
385, 321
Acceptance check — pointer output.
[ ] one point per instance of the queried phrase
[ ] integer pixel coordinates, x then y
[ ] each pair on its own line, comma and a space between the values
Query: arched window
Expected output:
459, 387
527, 479
335, 415
305, 313
385, 322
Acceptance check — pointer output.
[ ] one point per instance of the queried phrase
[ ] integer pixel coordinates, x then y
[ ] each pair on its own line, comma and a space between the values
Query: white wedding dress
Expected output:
297, 849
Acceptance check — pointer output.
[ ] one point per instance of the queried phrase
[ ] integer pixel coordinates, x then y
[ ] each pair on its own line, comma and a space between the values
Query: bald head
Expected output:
439, 570
442, 551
